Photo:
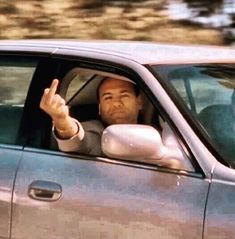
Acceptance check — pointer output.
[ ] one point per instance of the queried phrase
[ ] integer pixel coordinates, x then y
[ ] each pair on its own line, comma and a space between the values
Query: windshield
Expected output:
208, 91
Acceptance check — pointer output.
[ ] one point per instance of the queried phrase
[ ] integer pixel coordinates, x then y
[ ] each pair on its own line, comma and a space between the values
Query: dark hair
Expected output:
136, 88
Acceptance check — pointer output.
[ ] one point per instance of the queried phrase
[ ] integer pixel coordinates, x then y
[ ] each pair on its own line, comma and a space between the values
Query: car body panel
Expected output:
9, 160
26, 50
106, 199
142, 52
220, 213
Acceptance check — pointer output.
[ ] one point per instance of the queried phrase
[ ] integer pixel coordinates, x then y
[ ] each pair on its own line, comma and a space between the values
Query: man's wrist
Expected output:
80, 132
67, 132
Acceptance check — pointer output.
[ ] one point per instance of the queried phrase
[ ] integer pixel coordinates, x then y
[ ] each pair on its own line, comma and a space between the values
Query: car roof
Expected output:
141, 52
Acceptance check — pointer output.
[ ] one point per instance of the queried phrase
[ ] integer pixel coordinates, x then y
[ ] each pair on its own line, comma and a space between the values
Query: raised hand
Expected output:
54, 105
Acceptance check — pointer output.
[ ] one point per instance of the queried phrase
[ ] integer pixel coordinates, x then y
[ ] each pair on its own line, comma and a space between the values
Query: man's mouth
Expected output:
117, 112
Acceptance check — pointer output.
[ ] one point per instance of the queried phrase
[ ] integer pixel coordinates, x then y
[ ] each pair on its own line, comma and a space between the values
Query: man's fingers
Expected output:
52, 103
49, 94
52, 89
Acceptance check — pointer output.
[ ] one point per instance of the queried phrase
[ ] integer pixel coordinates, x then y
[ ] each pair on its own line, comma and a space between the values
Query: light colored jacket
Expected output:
87, 141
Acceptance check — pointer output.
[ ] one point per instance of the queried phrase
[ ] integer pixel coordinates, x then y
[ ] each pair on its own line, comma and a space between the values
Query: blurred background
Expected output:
179, 21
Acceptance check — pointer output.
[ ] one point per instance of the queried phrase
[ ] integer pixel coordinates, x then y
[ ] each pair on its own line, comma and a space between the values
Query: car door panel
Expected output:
16, 73
106, 199
220, 210
9, 159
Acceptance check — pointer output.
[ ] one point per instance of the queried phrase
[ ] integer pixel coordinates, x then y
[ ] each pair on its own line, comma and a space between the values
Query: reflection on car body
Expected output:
187, 118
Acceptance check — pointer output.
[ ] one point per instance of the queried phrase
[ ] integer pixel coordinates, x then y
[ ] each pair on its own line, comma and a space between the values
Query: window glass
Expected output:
208, 91
15, 76
76, 78
78, 87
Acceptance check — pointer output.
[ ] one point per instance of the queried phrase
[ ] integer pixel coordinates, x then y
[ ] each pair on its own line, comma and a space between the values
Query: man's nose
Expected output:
117, 102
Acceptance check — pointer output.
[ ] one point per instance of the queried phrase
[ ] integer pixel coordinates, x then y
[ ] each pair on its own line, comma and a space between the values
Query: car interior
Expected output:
9, 122
218, 120
79, 89
83, 100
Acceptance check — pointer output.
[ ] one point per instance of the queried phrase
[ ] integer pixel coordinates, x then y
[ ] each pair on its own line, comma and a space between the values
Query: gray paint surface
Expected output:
106, 200
9, 159
109, 200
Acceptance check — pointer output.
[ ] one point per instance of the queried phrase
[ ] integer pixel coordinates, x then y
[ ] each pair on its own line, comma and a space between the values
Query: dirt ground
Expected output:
76, 19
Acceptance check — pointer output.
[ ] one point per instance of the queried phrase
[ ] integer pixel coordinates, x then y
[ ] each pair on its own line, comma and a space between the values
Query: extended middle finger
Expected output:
52, 90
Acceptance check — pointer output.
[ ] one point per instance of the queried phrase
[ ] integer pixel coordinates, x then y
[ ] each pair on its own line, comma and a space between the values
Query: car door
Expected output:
210, 90
16, 73
65, 195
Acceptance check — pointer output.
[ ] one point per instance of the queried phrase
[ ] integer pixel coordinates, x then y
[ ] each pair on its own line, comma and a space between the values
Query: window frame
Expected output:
65, 64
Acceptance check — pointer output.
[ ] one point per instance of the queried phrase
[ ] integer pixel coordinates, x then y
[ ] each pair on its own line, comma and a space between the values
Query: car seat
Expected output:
217, 121
10, 118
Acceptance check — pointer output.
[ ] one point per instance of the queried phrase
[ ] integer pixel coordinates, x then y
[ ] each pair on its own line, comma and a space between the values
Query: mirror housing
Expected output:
142, 143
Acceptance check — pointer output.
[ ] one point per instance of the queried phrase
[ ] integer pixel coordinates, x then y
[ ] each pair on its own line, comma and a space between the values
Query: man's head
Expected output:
119, 101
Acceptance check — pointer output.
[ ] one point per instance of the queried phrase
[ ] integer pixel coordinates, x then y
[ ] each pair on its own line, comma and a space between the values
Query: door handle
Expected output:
44, 191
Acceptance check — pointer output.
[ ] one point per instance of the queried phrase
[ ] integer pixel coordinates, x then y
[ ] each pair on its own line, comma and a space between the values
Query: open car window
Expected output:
208, 92
76, 84
79, 87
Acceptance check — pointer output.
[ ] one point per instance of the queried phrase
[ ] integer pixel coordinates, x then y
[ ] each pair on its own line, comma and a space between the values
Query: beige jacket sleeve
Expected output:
87, 140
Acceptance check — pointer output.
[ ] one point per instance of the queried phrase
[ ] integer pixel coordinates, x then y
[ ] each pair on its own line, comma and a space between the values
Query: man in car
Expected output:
119, 103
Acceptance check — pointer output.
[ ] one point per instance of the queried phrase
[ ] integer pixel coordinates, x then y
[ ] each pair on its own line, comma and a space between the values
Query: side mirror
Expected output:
140, 143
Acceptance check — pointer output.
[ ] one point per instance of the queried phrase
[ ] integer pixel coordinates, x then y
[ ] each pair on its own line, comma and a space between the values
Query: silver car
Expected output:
188, 118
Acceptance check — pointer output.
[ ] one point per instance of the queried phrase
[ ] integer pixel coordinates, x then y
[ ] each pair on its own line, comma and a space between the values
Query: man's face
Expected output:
118, 102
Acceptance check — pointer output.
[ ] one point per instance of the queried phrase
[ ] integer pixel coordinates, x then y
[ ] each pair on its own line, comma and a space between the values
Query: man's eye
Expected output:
124, 95
107, 98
